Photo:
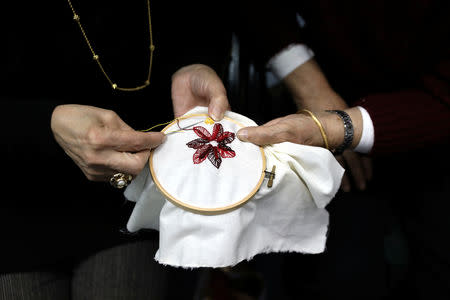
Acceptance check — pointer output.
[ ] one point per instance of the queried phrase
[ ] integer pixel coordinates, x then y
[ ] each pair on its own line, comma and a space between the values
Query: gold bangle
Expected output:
322, 131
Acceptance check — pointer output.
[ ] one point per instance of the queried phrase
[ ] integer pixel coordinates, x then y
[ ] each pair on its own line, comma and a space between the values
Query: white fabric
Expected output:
288, 59
197, 188
290, 216
365, 144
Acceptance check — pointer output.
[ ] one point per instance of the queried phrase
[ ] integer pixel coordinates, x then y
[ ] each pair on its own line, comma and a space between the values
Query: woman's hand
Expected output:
100, 142
310, 89
296, 128
198, 85
301, 129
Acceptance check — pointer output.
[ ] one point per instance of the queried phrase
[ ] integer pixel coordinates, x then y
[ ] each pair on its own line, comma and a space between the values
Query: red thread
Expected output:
205, 149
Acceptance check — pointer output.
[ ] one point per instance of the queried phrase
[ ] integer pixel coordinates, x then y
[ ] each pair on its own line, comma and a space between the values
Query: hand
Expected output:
198, 85
100, 143
296, 128
301, 129
310, 89
357, 167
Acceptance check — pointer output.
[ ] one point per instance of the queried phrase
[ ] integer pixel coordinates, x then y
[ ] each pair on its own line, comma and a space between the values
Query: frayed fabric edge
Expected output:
265, 251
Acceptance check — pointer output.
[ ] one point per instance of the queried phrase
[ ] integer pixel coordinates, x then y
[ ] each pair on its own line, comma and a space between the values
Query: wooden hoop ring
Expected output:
204, 210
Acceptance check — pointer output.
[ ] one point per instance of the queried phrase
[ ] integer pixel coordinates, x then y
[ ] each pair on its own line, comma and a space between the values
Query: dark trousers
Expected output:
127, 271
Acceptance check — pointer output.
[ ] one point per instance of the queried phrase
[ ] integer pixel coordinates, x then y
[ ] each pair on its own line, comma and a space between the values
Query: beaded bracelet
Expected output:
348, 131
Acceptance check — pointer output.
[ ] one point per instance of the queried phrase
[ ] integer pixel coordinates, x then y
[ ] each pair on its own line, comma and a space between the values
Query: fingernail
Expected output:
164, 138
243, 135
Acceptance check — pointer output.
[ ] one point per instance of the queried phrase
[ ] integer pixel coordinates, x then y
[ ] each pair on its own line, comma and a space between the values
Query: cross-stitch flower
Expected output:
212, 146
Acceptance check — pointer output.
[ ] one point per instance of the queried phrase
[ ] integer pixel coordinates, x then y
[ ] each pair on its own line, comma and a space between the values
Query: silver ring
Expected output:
120, 180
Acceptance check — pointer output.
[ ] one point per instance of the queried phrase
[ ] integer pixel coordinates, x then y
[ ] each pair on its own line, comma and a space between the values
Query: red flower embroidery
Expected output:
206, 150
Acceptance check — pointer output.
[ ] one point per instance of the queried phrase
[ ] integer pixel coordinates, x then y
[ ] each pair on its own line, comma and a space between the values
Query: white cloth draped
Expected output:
288, 217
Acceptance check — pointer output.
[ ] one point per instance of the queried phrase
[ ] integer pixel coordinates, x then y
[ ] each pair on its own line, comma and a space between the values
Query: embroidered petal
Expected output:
225, 151
214, 157
226, 138
202, 133
197, 143
201, 153
217, 131
205, 149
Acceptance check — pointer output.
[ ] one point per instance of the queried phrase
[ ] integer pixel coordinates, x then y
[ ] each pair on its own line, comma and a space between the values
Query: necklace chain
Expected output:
95, 56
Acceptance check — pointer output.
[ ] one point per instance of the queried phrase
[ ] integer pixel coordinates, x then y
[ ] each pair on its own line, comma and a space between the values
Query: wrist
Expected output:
334, 127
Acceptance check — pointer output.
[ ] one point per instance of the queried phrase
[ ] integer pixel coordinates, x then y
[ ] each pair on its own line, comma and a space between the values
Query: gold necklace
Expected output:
76, 17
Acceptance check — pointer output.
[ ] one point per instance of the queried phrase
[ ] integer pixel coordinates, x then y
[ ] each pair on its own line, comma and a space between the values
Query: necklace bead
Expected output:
114, 86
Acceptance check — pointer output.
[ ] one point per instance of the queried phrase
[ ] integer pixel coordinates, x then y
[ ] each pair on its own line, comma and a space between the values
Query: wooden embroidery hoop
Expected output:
204, 210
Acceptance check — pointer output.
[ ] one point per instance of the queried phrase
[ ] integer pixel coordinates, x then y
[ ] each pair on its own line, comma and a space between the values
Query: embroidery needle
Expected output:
183, 128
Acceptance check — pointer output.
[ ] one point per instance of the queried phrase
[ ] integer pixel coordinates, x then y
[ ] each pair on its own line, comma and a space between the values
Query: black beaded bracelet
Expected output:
348, 131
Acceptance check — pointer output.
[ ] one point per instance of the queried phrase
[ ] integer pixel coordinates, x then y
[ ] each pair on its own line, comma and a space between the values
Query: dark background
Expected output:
388, 241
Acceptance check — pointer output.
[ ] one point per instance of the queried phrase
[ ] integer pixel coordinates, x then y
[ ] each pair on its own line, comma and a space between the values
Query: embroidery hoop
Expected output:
204, 210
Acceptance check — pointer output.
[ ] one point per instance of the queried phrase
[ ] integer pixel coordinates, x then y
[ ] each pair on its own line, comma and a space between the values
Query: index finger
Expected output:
262, 135
134, 141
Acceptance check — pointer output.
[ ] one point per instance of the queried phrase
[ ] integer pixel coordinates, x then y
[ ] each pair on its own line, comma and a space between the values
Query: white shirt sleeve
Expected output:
288, 59
368, 133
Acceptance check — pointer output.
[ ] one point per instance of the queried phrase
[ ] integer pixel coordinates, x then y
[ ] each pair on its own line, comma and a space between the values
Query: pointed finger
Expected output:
262, 135
134, 141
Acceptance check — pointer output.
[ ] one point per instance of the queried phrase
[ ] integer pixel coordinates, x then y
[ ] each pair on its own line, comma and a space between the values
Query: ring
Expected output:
120, 180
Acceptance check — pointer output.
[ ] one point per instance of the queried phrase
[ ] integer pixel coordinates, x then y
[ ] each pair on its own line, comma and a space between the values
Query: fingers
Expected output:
101, 166
206, 84
345, 182
134, 141
211, 87
113, 151
263, 135
199, 85
128, 163
358, 170
218, 106
101, 138
354, 165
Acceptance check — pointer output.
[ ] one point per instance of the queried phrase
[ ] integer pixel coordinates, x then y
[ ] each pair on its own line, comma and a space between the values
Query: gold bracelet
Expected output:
322, 131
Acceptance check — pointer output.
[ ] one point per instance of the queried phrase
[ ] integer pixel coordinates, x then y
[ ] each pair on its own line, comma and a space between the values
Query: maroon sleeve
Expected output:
412, 119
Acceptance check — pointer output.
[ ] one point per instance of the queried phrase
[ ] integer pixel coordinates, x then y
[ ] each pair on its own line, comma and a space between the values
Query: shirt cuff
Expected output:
365, 144
289, 59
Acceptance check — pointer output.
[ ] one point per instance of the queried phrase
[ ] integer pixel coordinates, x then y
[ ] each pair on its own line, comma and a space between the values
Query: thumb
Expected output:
218, 106
260, 135
207, 84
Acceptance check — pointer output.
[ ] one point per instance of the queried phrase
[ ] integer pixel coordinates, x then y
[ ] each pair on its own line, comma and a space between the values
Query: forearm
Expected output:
310, 88
401, 121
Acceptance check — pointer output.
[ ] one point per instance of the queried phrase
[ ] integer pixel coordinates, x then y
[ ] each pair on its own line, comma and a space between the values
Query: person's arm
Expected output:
394, 121
301, 129
402, 121
310, 89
